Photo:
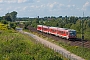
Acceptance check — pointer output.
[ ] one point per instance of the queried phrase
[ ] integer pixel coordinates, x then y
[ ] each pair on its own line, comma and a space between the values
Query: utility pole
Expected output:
42, 28
82, 31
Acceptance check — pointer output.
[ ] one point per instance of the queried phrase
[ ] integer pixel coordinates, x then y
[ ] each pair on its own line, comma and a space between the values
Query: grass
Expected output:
16, 46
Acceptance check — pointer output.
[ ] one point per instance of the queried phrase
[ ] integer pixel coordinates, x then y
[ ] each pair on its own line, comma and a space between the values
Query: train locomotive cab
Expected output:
72, 34
39, 27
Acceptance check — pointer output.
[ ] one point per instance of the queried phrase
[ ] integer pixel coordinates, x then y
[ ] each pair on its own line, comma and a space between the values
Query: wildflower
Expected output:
76, 46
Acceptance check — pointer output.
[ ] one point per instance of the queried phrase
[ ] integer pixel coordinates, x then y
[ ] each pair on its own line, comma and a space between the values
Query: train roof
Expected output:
39, 25
53, 27
43, 26
66, 29
71, 30
57, 28
62, 28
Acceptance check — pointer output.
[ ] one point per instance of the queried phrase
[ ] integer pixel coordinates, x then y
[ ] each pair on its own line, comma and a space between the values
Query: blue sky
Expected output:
42, 8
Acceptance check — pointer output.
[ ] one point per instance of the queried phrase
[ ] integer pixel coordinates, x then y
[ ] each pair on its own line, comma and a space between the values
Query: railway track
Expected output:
77, 42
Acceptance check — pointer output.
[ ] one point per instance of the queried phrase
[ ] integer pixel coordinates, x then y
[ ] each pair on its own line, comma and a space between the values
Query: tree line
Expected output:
71, 22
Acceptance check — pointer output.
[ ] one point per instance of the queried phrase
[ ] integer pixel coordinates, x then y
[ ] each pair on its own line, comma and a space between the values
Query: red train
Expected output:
61, 32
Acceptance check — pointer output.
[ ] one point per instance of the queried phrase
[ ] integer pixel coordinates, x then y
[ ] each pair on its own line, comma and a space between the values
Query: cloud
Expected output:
25, 1
21, 1
69, 0
1, 1
9, 8
38, 1
86, 6
1, 9
7, 1
16, 1
70, 6
55, 5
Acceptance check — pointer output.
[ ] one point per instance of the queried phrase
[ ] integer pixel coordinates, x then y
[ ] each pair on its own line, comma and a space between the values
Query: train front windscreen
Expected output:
72, 33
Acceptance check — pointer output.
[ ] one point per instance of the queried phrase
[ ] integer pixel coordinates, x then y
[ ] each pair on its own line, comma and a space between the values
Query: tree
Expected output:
27, 24
1, 18
77, 26
13, 25
35, 22
66, 20
4, 21
7, 17
60, 17
73, 19
11, 16
68, 25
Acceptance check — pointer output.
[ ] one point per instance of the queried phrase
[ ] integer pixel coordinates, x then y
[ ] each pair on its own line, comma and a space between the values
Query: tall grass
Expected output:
15, 46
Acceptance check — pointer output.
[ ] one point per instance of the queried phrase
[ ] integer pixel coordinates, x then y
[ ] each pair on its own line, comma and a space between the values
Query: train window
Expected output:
53, 30
66, 33
72, 33
39, 27
44, 28
50, 29
61, 32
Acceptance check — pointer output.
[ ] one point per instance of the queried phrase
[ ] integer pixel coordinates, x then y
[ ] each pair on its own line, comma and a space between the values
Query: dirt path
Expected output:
56, 48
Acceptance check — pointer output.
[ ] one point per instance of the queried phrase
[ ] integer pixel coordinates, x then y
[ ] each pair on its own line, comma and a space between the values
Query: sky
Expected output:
43, 8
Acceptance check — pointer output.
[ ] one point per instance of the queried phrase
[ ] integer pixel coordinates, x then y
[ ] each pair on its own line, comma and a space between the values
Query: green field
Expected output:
15, 46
